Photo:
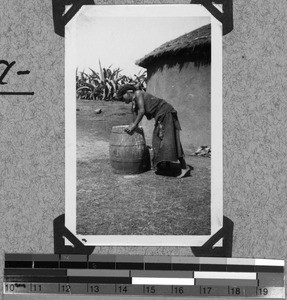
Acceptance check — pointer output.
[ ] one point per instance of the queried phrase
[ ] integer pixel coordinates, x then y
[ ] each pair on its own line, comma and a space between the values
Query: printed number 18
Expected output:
235, 291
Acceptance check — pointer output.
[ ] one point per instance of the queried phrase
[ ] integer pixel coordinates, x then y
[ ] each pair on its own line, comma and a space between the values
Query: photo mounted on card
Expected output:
143, 113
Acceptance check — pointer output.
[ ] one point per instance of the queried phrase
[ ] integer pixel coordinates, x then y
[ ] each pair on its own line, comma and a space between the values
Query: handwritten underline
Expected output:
18, 93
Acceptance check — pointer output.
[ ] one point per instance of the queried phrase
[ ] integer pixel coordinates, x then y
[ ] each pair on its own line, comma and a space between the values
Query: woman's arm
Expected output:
140, 104
140, 112
134, 116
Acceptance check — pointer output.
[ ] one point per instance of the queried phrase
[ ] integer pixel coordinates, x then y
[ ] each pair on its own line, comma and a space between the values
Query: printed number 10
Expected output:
10, 287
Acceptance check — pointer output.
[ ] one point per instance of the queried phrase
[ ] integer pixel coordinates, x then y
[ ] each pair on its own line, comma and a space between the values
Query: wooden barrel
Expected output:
128, 152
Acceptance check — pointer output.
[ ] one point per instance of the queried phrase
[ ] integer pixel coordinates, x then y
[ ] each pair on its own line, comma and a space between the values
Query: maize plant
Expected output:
104, 85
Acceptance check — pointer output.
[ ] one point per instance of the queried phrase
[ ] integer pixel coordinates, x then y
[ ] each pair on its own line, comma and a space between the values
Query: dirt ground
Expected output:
142, 204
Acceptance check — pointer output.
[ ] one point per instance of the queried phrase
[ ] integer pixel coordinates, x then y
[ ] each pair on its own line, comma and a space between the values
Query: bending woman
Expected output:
165, 141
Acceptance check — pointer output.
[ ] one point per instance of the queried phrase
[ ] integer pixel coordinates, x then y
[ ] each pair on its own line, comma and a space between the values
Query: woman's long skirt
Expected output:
166, 141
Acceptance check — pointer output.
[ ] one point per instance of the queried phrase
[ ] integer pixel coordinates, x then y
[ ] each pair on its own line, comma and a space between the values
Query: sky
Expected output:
120, 41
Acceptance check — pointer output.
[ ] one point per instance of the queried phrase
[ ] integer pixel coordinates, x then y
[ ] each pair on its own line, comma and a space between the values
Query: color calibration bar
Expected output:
143, 275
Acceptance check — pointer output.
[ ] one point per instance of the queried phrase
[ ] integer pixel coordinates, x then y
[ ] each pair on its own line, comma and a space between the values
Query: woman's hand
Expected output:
131, 128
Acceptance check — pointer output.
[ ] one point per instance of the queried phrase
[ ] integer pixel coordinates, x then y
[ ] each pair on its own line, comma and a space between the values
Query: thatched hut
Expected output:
179, 71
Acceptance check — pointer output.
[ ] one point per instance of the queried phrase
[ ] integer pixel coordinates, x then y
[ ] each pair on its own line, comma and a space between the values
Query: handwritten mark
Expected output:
5, 72
20, 285
23, 72
8, 67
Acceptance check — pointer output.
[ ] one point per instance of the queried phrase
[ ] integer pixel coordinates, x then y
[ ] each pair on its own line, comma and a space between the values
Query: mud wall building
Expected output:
179, 71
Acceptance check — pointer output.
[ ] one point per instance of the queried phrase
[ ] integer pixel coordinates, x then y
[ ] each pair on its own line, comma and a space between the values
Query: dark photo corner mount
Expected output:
60, 231
225, 17
225, 234
207, 250
61, 18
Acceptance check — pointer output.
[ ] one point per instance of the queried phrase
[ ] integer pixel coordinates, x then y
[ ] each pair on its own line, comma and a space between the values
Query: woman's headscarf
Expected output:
123, 89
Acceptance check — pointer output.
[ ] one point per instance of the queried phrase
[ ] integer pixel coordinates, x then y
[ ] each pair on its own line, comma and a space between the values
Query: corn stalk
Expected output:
104, 85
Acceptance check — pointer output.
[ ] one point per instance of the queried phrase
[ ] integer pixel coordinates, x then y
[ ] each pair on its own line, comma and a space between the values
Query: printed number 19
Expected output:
262, 291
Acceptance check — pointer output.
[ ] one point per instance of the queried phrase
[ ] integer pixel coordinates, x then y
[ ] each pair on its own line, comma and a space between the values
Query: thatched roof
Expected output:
189, 46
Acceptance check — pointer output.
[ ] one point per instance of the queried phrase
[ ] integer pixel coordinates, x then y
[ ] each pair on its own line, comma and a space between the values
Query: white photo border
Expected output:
164, 10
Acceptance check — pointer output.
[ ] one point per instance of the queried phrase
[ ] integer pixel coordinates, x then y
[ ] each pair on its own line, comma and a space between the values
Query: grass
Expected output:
142, 204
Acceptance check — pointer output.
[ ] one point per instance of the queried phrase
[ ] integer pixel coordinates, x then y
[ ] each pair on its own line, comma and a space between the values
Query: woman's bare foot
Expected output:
184, 172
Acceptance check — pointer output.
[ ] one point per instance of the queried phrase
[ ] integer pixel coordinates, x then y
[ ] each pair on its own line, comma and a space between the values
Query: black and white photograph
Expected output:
143, 125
